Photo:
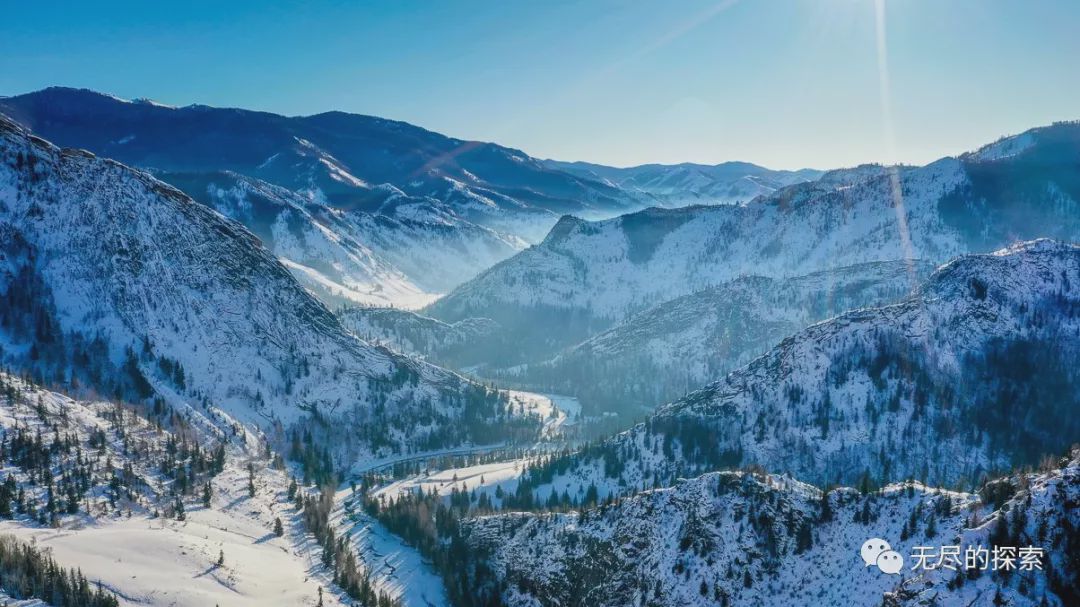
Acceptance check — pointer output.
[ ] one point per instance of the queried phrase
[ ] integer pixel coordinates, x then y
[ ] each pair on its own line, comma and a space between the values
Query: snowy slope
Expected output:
125, 532
740, 538
397, 568
972, 375
404, 254
600, 272
135, 262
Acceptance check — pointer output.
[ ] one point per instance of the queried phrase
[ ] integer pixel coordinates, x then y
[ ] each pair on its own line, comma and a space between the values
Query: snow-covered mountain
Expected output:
403, 254
114, 279
341, 155
434, 211
692, 184
677, 346
745, 538
592, 274
972, 375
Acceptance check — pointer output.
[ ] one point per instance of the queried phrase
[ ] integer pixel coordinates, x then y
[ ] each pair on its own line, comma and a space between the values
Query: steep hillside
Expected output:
403, 254
670, 349
971, 375
589, 275
689, 184
419, 335
120, 282
150, 503
1017, 182
741, 538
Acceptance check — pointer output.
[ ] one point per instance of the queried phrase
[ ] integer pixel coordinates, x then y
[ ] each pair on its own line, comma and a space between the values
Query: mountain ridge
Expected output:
751, 538
135, 263
477, 202
862, 398
603, 271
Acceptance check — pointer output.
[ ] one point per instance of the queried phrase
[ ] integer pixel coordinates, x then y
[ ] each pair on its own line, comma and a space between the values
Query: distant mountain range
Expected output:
361, 209
685, 184
587, 276
343, 156
363, 194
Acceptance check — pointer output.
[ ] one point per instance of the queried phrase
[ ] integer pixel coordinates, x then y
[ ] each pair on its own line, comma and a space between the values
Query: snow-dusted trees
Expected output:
25, 572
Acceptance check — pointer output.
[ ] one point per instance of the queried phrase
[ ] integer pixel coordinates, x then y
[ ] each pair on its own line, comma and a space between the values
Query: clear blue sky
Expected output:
785, 83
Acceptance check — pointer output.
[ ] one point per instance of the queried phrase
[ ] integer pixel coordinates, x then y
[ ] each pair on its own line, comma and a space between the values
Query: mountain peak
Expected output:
562, 229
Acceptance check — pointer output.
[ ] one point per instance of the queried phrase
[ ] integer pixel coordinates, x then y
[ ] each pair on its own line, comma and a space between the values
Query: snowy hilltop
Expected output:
684, 184
744, 538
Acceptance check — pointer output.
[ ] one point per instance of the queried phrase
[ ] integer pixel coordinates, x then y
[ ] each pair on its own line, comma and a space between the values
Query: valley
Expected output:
254, 359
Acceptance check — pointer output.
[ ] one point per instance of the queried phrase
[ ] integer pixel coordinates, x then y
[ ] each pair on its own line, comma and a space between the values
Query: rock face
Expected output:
107, 260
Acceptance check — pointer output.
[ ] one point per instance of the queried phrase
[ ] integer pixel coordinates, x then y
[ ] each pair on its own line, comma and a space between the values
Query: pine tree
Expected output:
826, 508
931, 527
279, 529
804, 538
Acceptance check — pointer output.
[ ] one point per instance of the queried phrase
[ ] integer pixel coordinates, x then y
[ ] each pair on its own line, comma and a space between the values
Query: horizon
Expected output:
163, 103
785, 85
